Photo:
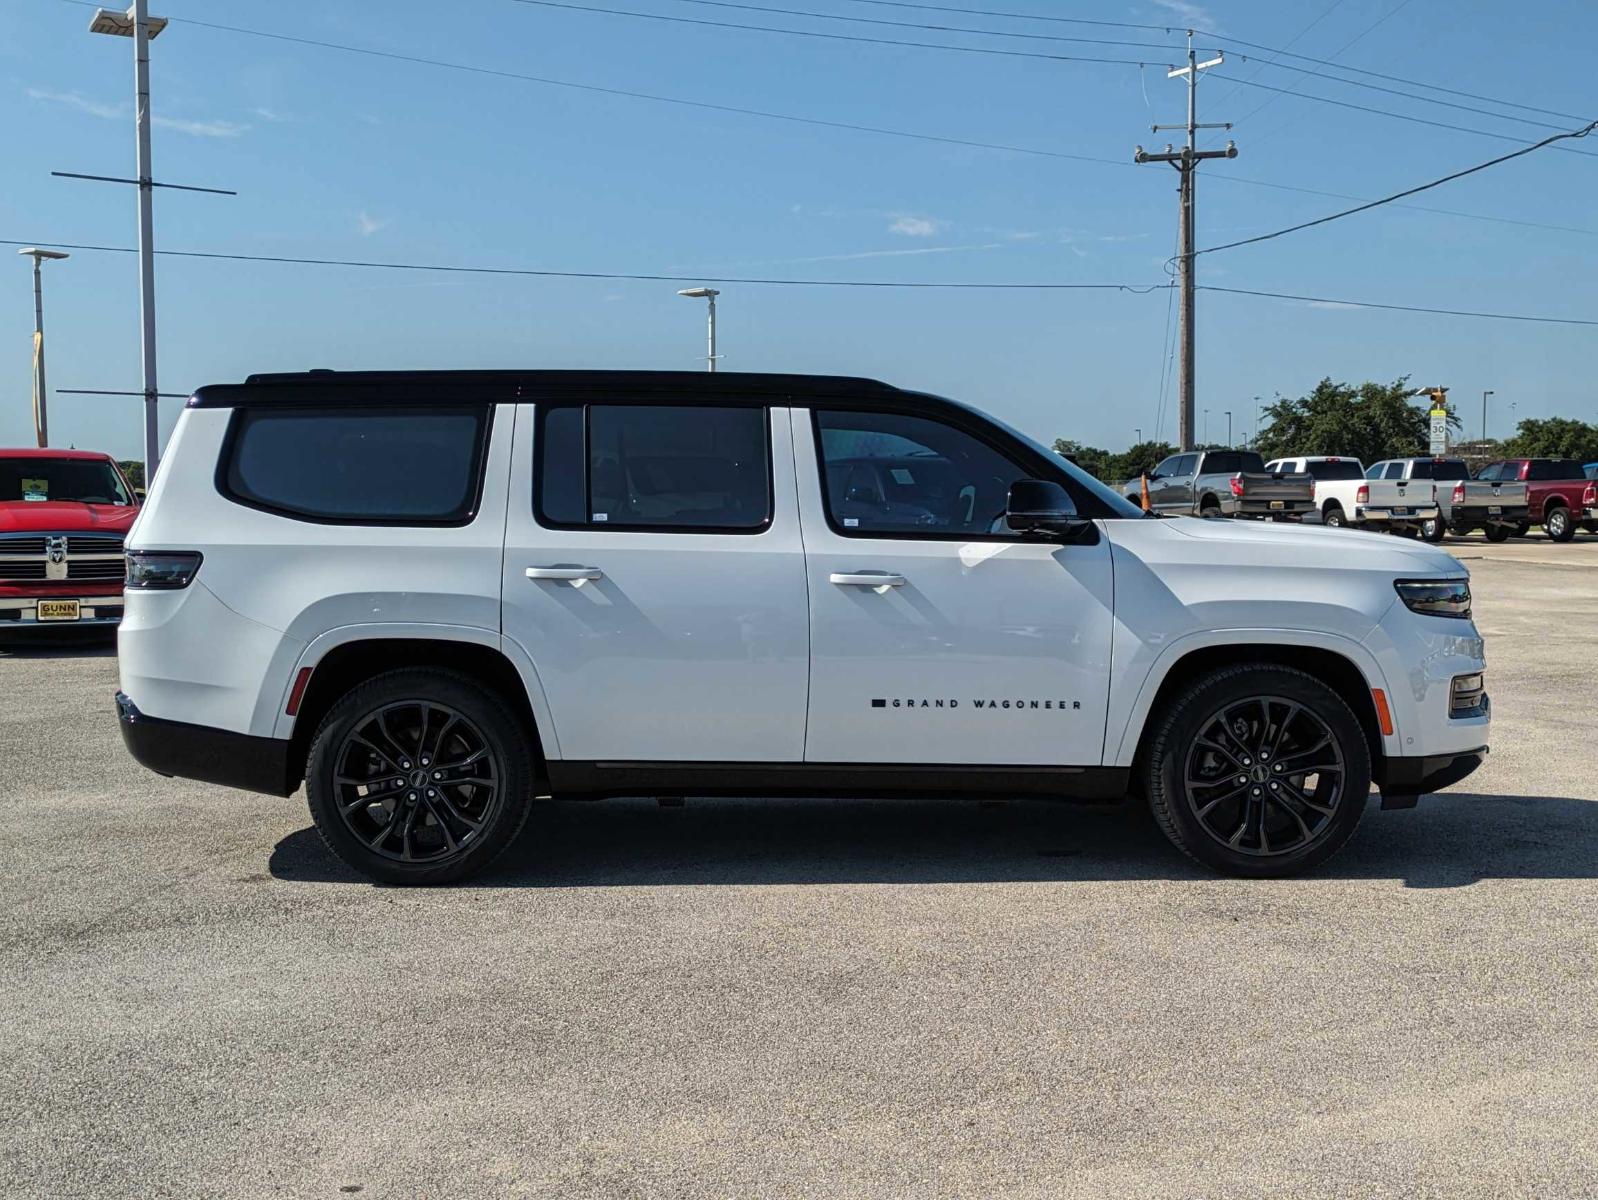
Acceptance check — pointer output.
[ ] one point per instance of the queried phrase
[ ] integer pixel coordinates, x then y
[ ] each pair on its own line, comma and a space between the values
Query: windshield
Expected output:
85, 480
1335, 468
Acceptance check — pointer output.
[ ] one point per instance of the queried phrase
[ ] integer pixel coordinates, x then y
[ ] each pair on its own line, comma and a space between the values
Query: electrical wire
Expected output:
1138, 289
1349, 212
1410, 308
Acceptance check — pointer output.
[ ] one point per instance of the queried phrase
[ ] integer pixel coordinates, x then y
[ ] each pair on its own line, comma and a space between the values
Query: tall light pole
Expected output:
41, 419
141, 27
1138, 430
1206, 436
710, 294
1484, 396
1257, 411
1228, 427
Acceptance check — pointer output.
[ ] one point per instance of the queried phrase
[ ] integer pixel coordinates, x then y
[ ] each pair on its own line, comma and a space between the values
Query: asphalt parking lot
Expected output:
786, 998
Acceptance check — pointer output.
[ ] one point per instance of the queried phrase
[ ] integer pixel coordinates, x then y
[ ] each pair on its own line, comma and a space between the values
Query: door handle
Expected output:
866, 579
574, 574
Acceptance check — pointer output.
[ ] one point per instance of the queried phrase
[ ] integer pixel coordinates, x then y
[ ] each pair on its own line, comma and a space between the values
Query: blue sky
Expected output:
339, 155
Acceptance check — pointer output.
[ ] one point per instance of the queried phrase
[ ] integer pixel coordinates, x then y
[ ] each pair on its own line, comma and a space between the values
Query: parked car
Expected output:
1463, 504
434, 597
63, 515
1554, 488
1346, 497
1223, 483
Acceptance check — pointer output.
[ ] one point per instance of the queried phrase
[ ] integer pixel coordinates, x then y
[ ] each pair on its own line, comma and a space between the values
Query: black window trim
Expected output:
974, 428
456, 520
542, 407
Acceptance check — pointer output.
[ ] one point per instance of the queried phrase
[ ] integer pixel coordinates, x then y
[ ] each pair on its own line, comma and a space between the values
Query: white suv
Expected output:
435, 597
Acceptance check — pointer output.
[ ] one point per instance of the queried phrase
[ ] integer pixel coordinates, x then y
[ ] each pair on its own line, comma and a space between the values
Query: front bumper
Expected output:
1402, 779
238, 760
22, 612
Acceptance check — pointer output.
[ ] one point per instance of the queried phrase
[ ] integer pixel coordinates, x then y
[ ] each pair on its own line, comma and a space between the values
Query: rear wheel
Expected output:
1498, 533
419, 776
1523, 529
1433, 531
1258, 770
1332, 515
1210, 509
1557, 523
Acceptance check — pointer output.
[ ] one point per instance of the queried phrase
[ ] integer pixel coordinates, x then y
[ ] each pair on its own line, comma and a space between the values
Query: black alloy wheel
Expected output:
419, 776
1258, 770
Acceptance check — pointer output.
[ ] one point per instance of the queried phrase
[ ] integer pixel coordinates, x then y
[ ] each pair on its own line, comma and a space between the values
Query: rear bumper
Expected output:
22, 612
1391, 516
1263, 508
1507, 514
238, 760
1401, 777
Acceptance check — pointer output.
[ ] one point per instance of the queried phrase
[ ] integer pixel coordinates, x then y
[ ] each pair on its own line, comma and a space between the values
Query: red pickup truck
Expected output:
63, 515
1555, 493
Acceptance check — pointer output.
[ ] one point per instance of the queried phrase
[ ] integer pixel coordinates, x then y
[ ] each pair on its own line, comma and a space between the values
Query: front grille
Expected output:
94, 543
11, 571
111, 568
25, 544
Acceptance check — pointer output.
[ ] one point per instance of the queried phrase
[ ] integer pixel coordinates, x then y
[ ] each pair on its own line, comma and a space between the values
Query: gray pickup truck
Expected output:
1224, 483
1463, 503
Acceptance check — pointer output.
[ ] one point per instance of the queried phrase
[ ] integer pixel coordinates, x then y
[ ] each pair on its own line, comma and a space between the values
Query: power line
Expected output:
831, 37
1138, 289
1348, 212
1135, 289
1411, 308
793, 118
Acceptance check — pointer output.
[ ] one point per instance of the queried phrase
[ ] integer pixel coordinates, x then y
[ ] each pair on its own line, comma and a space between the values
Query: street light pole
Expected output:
1228, 428
1484, 396
1138, 430
41, 419
709, 294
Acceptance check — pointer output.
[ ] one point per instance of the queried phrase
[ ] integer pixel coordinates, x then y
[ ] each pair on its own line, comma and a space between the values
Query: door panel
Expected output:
932, 647
674, 644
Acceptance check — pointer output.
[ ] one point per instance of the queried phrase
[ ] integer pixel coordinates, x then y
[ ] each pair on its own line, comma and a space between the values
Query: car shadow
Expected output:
97, 642
1450, 840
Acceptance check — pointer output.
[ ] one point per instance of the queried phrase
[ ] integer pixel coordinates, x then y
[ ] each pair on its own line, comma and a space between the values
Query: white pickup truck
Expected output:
1346, 497
440, 598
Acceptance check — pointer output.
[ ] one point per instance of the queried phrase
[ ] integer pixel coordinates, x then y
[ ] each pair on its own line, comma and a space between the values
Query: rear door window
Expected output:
654, 467
1342, 468
359, 465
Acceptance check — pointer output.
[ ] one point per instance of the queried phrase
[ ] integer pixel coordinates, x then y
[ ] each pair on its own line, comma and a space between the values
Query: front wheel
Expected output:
419, 776
1259, 771
1558, 525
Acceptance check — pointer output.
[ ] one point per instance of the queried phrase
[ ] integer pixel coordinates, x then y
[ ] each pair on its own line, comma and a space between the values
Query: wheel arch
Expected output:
1338, 667
339, 663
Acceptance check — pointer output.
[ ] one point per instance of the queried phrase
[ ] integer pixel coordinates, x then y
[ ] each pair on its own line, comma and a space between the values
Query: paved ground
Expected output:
808, 999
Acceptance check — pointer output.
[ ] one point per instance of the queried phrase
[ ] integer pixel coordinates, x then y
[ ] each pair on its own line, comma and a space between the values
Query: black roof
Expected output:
443, 387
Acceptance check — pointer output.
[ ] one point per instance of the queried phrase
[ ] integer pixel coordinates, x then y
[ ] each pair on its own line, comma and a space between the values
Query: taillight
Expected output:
1459, 493
1237, 485
1590, 496
1363, 495
161, 569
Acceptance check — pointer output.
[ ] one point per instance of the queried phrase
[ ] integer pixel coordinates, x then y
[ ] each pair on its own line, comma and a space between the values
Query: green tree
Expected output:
134, 470
1368, 421
1554, 437
1110, 467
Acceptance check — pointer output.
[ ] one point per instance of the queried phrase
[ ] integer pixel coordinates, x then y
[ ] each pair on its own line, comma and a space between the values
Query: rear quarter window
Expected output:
358, 466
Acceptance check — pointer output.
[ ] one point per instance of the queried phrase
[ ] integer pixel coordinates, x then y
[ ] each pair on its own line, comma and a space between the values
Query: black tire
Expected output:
1332, 515
369, 769
1432, 531
1210, 509
1522, 529
1590, 526
1498, 533
1557, 523
1250, 712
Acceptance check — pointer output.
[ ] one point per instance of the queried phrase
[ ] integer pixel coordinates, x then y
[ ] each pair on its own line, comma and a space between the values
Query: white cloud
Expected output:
267, 114
94, 108
910, 226
368, 224
119, 112
1190, 14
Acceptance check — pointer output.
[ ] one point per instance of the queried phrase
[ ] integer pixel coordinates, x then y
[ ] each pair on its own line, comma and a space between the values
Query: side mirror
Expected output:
1153, 475
1041, 506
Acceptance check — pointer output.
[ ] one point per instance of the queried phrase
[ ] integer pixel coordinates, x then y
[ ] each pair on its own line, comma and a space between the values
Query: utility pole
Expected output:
41, 415
1186, 162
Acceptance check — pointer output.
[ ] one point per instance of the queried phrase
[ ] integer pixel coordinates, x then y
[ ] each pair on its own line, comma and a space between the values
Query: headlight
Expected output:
1435, 597
154, 569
